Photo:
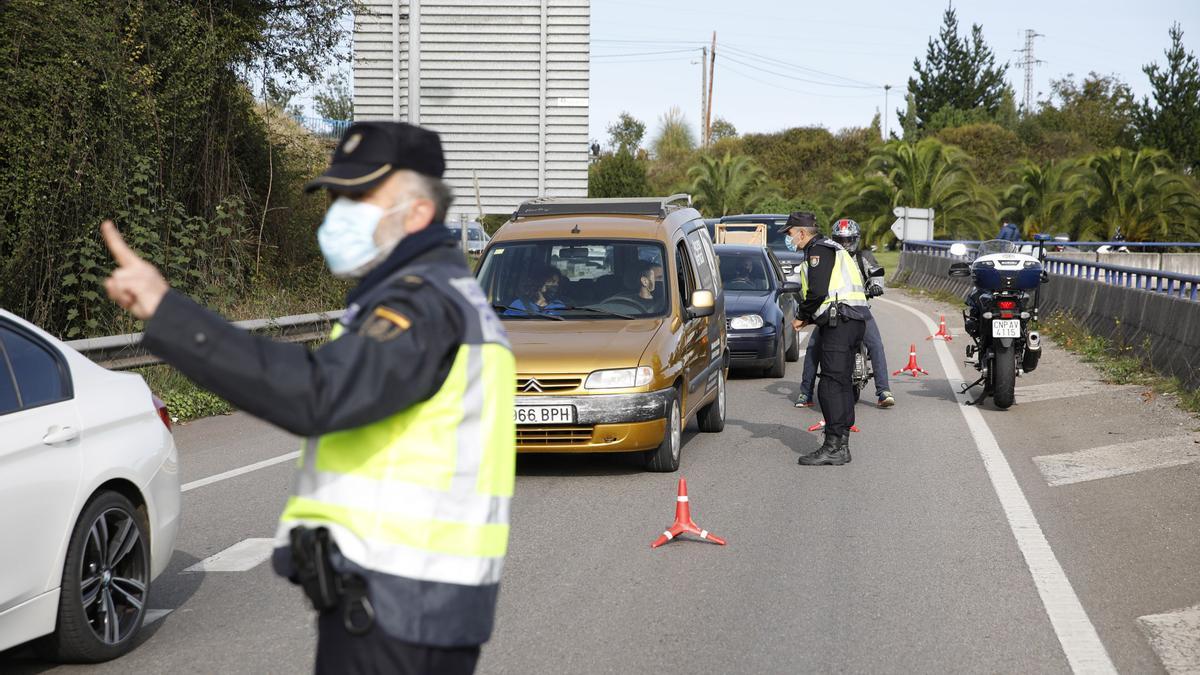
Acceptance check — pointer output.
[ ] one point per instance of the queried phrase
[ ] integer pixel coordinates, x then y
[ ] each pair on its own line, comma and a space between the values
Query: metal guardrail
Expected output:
322, 127
122, 352
1183, 286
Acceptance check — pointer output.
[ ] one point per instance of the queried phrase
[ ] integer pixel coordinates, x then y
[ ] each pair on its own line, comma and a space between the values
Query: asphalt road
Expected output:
936, 550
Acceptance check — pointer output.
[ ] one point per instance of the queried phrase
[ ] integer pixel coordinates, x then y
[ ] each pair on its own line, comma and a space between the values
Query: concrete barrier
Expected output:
1161, 329
1181, 263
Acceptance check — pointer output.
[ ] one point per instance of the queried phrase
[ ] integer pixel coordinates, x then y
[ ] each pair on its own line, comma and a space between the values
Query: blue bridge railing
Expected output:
1184, 286
322, 127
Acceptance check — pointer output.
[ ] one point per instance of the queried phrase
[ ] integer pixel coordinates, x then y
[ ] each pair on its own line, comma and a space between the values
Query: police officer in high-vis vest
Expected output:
832, 297
398, 521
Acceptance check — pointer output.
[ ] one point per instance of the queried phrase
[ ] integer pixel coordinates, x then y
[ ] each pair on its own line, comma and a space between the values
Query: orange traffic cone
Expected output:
683, 521
942, 333
912, 366
821, 425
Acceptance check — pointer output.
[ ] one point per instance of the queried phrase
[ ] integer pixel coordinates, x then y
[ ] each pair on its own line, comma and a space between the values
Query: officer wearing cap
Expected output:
398, 521
834, 299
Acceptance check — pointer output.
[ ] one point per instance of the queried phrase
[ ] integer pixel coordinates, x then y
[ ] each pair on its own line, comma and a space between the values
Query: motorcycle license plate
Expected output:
1006, 328
544, 414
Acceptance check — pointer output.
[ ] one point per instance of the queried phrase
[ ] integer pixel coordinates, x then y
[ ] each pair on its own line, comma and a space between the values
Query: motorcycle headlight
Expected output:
746, 322
622, 378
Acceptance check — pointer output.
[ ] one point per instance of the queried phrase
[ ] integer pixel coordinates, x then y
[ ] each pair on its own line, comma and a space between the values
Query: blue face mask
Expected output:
791, 245
347, 235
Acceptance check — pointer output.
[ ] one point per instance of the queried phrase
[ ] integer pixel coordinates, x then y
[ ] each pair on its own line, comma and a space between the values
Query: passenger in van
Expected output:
538, 293
649, 276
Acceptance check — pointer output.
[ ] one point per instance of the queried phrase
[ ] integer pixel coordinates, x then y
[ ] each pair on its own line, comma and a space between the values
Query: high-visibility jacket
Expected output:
418, 502
845, 284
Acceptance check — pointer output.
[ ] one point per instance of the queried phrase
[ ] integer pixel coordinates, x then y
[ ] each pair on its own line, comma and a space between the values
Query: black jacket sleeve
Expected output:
819, 260
363, 376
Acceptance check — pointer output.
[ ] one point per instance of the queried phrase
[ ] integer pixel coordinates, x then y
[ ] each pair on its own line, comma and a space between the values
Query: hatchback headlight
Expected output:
623, 378
746, 322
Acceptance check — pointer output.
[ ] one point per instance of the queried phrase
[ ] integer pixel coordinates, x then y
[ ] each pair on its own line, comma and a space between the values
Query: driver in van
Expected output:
648, 275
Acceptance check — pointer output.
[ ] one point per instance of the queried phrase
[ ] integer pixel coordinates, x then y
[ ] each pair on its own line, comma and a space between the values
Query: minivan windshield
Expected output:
579, 279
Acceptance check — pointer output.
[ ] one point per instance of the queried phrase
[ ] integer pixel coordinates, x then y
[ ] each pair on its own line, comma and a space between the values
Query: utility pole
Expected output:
703, 86
712, 64
886, 111
1028, 62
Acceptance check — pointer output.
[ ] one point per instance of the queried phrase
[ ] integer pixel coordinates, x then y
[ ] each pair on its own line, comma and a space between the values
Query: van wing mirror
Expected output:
960, 269
704, 303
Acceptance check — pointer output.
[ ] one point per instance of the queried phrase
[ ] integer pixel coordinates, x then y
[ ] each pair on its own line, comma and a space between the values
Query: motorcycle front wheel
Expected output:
1004, 375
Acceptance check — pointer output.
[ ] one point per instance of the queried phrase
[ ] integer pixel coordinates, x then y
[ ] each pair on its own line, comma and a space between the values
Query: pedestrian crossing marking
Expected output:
1050, 391
1119, 460
1175, 637
244, 555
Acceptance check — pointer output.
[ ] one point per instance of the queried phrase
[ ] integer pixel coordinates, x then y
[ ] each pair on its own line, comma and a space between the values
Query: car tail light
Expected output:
1007, 304
163, 413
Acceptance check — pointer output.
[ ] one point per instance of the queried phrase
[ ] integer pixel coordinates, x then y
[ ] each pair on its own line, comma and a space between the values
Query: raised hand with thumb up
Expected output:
135, 284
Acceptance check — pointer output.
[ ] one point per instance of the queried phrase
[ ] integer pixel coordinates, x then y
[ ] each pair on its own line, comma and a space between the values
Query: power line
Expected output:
802, 79
749, 54
1028, 62
670, 51
795, 91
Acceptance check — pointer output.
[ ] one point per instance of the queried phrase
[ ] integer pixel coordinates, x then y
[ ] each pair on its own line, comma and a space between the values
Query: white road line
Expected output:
1081, 644
1050, 391
1175, 637
153, 615
239, 471
244, 555
1118, 460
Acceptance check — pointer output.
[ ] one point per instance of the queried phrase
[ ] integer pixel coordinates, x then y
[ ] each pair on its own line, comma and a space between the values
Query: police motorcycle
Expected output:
1001, 315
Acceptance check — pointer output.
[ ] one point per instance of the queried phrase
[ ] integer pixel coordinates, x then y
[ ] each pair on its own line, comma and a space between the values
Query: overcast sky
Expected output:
786, 63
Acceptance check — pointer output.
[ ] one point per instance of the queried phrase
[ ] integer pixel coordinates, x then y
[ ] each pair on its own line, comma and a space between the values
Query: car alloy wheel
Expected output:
114, 577
676, 432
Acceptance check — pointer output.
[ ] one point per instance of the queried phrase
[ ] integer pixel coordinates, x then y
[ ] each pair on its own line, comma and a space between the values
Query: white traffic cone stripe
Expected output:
668, 535
704, 534
681, 498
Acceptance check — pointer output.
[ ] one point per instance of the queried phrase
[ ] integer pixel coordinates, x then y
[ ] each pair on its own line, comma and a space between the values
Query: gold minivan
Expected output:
615, 312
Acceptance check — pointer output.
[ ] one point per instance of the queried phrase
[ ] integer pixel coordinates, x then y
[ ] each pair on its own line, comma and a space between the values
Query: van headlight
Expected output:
623, 378
746, 322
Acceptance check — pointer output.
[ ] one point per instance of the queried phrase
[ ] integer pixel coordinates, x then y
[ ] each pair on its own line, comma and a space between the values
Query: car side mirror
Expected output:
704, 303
960, 269
878, 272
789, 287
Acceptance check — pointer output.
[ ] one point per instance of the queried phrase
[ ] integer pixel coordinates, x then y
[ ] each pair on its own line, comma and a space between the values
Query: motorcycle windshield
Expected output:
996, 246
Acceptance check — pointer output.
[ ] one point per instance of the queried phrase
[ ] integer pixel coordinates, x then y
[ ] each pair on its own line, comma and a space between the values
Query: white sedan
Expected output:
89, 498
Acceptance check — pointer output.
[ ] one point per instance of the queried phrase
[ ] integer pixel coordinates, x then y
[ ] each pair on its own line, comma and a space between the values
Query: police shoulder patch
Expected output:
814, 260
385, 324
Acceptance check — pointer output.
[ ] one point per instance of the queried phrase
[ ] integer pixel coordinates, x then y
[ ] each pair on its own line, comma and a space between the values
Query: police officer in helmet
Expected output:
834, 299
398, 520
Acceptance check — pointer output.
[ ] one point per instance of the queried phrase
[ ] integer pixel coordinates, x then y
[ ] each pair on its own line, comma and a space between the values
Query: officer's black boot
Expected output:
830, 453
845, 447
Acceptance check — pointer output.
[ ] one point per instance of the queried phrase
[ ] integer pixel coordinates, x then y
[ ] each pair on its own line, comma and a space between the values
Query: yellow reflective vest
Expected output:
845, 283
418, 502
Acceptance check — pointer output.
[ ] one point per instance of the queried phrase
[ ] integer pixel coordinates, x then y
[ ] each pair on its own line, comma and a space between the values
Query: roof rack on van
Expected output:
639, 206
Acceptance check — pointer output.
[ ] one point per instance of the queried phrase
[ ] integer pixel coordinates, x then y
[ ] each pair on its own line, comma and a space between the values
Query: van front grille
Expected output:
547, 384
553, 435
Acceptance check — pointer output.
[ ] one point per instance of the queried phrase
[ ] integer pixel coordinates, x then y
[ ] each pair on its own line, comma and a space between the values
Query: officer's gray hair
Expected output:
429, 187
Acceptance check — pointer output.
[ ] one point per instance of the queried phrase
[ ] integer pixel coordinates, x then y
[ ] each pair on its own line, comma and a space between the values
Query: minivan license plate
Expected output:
544, 414
1006, 328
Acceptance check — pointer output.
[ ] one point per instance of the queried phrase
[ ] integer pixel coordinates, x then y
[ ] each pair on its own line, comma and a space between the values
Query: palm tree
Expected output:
1034, 199
728, 185
1134, 192
925, 174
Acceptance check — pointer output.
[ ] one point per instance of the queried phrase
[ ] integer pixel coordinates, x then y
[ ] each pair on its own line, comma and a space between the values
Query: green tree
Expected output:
722, 129
1172, 122
335, 101
992, 149
926, 174
617, 175
1034, 200
1134, 192
958, 73
908, 119
626, 132
673, 149
728, 185
1099, 109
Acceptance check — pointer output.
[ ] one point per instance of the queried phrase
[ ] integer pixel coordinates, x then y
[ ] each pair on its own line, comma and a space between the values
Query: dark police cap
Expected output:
799, 219
369, 151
